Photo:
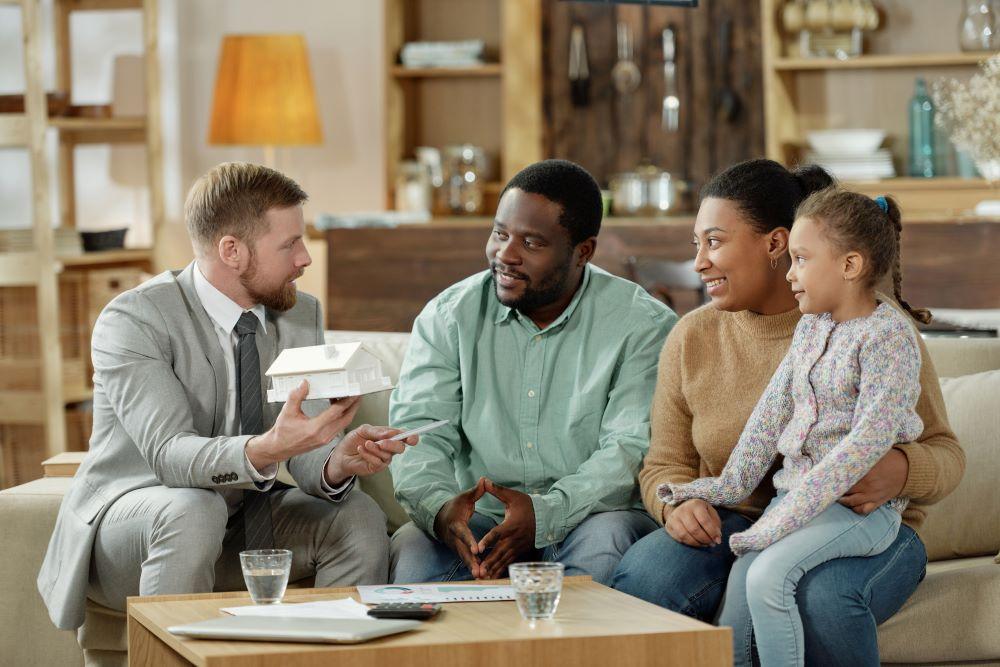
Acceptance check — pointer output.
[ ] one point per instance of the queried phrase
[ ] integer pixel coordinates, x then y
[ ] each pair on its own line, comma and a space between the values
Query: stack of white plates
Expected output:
847, 166
851, 154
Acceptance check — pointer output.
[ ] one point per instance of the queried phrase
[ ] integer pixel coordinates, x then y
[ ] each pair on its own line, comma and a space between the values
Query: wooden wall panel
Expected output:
615, 132
380, 279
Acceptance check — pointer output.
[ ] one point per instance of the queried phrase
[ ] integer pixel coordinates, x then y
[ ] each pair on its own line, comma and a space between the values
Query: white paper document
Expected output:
330, 609
435, 593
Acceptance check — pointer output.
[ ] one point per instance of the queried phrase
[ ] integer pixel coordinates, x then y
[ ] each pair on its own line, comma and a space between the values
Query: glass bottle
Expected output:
921, 132
978, 28
464, 185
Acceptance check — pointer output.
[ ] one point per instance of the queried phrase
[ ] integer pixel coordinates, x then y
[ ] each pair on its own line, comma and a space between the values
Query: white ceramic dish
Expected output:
845, 142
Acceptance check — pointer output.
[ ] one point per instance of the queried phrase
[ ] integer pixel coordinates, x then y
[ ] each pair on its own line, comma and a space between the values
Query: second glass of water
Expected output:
537, 587
266, 573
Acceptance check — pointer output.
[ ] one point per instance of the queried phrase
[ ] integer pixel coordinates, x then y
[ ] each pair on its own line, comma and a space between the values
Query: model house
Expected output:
333, 371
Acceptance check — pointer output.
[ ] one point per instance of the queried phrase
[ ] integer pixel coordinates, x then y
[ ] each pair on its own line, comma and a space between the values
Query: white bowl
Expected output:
845, 142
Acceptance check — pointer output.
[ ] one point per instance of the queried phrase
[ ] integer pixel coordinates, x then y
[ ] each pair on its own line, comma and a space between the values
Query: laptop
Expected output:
312, 630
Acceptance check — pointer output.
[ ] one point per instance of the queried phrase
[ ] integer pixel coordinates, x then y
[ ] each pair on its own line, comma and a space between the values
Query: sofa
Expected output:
954, 616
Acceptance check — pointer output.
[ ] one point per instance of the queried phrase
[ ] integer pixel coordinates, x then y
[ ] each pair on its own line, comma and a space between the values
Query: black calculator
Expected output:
417, 610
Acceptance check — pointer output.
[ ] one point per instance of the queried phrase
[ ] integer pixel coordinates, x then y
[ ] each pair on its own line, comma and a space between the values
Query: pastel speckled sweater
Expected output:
842, 397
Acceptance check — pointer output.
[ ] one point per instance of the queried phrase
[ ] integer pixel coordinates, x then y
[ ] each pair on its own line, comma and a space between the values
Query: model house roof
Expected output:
321, 359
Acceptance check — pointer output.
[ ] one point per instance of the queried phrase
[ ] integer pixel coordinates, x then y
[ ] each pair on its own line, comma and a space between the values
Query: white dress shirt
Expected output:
224, 313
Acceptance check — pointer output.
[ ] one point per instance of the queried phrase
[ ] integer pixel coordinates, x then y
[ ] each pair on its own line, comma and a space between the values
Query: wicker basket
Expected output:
82, 297
79, 425
22, 448
103, 285
20, 353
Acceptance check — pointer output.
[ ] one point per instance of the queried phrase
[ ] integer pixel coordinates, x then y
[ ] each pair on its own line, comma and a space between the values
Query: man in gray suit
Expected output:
181, 470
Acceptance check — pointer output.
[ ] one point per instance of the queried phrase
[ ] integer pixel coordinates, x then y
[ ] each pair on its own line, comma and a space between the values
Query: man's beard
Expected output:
550, 288
279, 300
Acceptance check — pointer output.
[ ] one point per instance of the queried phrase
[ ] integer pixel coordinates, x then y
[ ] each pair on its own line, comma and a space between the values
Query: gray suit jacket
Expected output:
159, 408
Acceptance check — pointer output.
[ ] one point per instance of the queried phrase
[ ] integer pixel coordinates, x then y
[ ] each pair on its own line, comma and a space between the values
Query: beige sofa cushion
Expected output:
390, 348
967, 522
27, 636
951, 617
954, 357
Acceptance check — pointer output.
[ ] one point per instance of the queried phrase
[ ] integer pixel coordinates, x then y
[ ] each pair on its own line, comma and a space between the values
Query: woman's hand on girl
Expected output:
883, 482
694, 523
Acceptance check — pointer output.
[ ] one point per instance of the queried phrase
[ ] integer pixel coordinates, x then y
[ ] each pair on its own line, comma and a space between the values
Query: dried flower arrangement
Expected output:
970, 113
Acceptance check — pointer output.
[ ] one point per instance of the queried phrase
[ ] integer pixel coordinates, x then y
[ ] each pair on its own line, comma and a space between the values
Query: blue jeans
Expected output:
760, 595
592, 548
841, 601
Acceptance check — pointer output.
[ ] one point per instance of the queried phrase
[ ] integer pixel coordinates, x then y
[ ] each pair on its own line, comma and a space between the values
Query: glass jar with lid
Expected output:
413, 186
463, 180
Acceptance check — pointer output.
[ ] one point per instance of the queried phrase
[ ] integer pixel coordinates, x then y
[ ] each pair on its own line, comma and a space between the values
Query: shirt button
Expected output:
529, 445
537, 338
550, 537
531, 393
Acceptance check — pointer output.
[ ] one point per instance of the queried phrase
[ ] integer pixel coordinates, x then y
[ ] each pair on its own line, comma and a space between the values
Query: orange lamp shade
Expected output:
264, 93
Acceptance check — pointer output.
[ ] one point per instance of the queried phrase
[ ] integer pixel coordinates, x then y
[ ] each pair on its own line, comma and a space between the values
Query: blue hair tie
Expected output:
882, 203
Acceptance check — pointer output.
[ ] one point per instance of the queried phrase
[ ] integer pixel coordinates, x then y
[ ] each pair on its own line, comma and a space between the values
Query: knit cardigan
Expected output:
842, 397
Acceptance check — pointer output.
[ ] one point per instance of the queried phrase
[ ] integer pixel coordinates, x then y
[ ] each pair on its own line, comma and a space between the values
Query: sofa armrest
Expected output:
27, 515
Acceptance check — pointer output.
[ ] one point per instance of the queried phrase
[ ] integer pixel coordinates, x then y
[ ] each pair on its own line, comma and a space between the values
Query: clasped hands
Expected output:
514, 536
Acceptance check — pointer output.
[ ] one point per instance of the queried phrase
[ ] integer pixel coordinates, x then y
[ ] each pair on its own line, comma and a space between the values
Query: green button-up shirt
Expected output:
560, 413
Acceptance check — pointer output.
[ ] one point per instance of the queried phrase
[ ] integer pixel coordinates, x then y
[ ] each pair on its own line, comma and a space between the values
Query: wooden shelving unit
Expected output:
48, 301
141, 256
872, 90
77, 131
484, 70
496, 106
914, 61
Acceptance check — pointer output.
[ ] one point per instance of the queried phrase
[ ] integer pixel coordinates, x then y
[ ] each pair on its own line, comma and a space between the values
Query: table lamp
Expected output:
264, 94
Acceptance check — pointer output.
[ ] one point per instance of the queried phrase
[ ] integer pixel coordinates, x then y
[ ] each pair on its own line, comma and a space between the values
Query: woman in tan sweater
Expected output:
713, 369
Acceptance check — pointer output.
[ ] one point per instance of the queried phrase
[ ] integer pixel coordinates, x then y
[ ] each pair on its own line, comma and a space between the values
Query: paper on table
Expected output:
331, 609
435, 593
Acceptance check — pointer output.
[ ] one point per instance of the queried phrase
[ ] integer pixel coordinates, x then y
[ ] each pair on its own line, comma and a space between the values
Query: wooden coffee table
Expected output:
594, 625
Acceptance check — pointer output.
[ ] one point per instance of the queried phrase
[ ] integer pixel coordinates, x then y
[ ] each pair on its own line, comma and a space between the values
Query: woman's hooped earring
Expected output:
774, 263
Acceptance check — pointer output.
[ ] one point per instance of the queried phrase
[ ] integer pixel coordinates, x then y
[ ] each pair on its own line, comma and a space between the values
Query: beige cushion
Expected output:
103, 630
952, 616
967, 522
27, 636
953, 357
390, 348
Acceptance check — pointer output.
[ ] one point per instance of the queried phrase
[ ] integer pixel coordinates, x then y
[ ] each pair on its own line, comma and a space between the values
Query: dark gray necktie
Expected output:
257, 531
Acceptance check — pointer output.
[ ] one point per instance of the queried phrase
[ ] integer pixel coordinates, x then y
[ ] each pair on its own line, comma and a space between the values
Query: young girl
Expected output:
842, 397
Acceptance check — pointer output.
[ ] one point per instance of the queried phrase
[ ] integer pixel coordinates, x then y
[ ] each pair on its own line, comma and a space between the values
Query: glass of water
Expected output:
537, 587
266, 573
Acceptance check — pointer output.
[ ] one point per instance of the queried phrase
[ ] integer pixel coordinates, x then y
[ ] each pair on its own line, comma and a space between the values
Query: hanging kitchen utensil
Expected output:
579, 70
728, 104
625, 73
670, 118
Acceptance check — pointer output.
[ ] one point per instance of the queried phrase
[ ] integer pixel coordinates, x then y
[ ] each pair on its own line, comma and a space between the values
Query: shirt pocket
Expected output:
583, 421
